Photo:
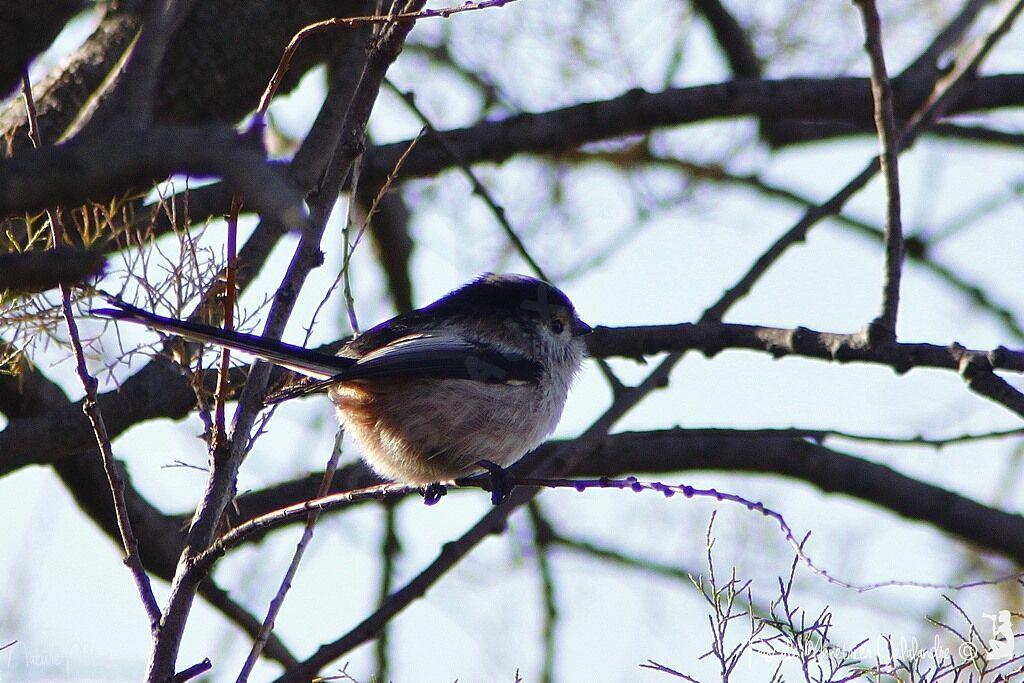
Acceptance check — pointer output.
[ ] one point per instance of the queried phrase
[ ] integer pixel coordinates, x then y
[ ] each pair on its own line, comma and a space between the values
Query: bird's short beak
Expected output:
580, 328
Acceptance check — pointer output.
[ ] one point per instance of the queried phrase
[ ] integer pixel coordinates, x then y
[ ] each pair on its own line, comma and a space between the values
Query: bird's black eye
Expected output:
557, 326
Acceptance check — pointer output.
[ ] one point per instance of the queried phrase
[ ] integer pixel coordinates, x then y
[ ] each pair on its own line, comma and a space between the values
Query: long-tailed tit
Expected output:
481, 374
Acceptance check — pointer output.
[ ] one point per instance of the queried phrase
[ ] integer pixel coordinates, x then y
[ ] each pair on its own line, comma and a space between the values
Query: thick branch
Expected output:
131, 96
712, 338
161, 391
976, 367
829, 99
236, 42
37, 271
111, 163
61, 95
827, 469
841, 99
28, 28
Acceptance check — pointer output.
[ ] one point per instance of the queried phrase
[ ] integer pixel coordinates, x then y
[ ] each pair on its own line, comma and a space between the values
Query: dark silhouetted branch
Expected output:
37, 271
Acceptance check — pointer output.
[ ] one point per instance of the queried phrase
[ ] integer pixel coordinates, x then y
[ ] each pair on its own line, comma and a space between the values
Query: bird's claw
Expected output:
433, 493
501, 481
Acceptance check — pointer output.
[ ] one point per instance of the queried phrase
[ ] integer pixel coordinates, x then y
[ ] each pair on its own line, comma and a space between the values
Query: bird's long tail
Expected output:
297, 358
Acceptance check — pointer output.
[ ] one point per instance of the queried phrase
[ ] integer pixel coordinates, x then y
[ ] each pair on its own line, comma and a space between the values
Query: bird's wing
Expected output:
420, 355
426, 356
303, 360
444, 356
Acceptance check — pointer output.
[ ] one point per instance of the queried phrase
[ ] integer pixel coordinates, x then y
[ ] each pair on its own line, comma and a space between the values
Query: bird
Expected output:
470, 382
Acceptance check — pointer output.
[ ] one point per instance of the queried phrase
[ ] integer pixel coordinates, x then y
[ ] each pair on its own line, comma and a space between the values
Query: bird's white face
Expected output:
559, 325
560, 345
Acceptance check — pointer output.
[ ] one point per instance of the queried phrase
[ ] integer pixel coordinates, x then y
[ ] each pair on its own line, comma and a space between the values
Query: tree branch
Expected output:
883, 327
28, 29
131, 95
731, 37
101, 165
794, 453
928, 62
160, 390
82, 74
712, 338
830, 99
37, 271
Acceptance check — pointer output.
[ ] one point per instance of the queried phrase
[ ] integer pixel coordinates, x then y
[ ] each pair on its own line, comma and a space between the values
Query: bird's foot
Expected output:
501, 481
433, 493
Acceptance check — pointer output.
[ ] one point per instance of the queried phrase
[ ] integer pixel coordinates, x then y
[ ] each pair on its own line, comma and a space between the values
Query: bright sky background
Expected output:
73, 608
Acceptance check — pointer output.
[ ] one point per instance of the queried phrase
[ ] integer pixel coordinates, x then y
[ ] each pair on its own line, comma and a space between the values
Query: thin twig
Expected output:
220, 600
289, 575
651, 664
542, 541
389, 551
197, 669
348, 249
496, 209
336, 22
820, 435
350, 244
91, 407
204, 561
670, 490
883, 328
219, 437
928, 61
